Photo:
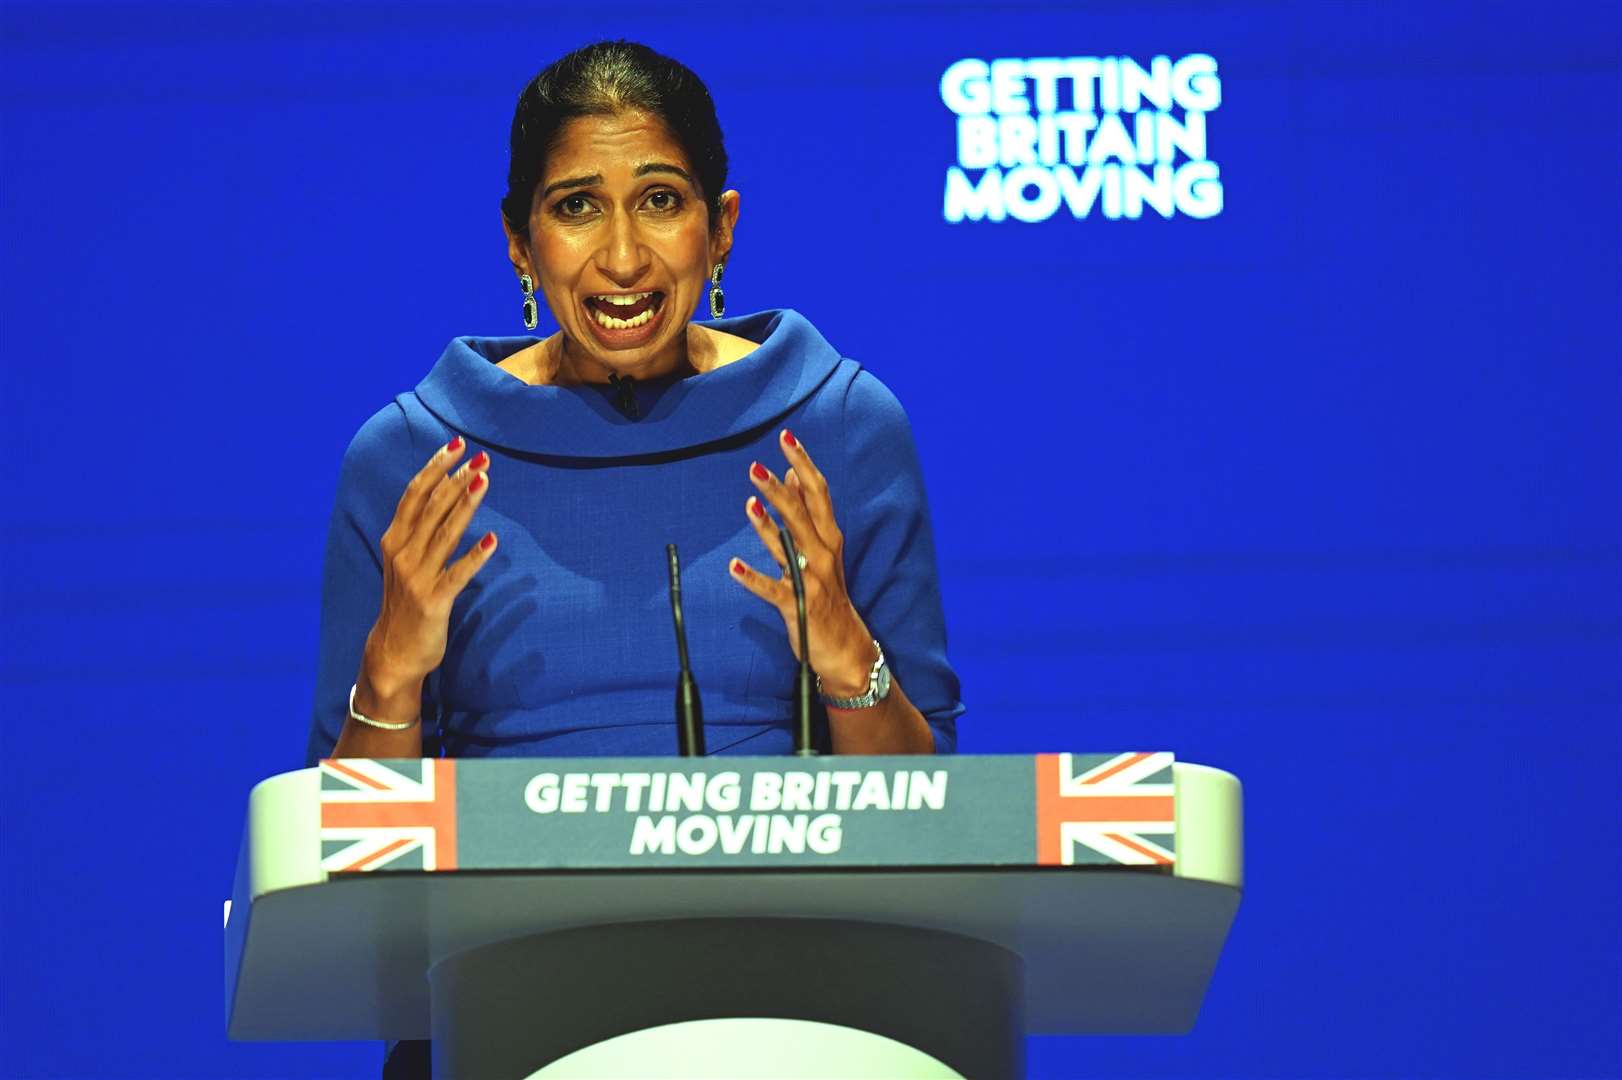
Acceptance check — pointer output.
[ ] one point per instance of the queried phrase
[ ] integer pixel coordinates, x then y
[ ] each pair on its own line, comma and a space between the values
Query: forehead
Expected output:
606, 145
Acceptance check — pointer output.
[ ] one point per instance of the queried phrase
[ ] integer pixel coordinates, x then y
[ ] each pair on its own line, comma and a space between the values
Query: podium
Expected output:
839, 916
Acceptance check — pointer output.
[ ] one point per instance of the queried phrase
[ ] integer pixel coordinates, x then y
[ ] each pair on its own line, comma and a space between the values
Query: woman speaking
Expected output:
496, 578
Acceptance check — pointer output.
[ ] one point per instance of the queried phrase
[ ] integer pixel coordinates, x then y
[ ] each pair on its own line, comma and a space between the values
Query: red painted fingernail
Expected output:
756, 509
788, 437
454, 445
736, 566
758, 471
480, 460
478, 482
488, 542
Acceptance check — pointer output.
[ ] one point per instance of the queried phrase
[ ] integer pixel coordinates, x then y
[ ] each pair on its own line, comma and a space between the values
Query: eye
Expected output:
572, 206
663, 200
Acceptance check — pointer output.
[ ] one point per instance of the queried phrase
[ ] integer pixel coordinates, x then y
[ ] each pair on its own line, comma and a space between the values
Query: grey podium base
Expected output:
511, 1008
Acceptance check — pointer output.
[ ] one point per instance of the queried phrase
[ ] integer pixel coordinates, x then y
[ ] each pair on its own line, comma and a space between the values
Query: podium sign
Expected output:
541, 814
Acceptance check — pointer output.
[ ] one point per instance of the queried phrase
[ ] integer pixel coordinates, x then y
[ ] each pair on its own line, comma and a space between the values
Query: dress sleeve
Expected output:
890, 553
375, 470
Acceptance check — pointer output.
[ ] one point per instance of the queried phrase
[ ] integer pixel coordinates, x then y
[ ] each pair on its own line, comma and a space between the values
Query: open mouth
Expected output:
624, 311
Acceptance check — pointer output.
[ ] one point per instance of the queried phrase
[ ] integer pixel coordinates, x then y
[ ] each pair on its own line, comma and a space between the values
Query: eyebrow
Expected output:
663, 167
572, 182
597, 178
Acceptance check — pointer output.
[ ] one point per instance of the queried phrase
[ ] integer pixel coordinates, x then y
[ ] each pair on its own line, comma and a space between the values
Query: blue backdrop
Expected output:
1322, 489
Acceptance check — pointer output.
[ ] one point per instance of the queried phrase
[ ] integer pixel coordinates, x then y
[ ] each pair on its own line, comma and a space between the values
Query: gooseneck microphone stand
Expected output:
802, 684
689, 710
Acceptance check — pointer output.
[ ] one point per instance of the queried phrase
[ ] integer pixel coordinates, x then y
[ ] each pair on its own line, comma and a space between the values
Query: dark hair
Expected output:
600, 80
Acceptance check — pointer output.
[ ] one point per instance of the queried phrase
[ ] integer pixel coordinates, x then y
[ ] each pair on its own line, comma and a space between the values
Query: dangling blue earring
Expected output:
718, 299
531, 315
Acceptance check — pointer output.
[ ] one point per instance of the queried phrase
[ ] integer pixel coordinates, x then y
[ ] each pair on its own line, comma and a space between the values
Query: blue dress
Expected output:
562, 644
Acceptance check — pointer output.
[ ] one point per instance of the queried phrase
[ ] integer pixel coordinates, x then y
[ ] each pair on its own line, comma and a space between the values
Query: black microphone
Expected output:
689, 711
802, 684
625, 395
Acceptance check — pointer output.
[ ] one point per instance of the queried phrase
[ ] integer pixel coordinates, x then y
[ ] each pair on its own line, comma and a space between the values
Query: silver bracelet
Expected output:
369, 722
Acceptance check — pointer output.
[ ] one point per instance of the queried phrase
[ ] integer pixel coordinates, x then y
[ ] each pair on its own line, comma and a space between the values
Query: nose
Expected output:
623, 259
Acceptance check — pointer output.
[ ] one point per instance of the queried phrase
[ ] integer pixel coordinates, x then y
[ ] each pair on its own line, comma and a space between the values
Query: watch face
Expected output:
882, 690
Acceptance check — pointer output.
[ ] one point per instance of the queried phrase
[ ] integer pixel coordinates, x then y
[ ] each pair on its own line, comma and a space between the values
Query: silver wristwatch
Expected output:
878, 687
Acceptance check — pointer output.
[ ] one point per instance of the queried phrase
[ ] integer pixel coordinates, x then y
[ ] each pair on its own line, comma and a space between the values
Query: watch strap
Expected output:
878, 686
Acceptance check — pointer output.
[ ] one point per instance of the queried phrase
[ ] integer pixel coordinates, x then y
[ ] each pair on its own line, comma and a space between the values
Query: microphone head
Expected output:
792, 554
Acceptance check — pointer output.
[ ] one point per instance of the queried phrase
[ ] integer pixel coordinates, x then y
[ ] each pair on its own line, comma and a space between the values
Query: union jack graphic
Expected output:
1111, 809
395, 815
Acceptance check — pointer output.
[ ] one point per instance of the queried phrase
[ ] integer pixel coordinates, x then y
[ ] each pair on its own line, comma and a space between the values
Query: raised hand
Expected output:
841, 648
408, 639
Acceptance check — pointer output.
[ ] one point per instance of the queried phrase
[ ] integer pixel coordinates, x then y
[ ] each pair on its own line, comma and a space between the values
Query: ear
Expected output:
518, 250
721, 235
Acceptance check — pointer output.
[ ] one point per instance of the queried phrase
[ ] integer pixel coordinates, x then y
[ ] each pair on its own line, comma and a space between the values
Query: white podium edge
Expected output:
281, 849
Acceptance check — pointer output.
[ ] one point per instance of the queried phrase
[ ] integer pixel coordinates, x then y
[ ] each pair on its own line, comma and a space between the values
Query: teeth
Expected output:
624, 301
623, 324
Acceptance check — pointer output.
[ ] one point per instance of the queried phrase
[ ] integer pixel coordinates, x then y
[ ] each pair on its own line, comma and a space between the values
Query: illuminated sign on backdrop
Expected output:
1094, 135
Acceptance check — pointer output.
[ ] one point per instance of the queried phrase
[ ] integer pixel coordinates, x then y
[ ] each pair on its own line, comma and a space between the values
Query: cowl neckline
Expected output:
472, 395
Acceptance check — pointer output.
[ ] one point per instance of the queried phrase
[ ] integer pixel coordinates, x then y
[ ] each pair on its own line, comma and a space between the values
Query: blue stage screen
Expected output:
1265, 363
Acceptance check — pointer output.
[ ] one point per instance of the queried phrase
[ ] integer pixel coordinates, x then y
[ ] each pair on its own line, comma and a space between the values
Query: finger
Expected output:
427, 479
791, 480
791, 484
766, 529
813, 487
827, 530
451, 529
774, 590
789, 508
429, 524
460, 572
